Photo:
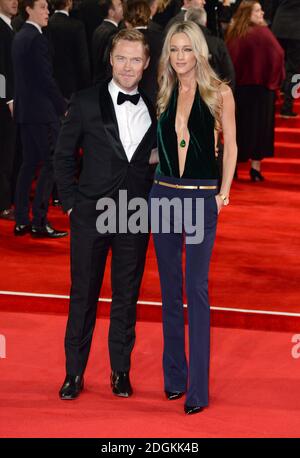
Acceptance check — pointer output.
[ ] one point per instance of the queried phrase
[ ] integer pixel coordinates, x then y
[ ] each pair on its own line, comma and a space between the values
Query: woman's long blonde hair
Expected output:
207, 81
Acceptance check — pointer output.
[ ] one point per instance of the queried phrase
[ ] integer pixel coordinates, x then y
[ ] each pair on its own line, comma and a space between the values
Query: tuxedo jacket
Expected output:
71, 65
91, 124
6, 68
37, 97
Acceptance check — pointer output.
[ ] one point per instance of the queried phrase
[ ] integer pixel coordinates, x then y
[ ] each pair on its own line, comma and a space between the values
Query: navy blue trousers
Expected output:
191, 378
38, 144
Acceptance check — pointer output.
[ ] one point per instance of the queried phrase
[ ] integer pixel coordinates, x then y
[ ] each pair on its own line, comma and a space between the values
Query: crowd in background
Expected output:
254, 46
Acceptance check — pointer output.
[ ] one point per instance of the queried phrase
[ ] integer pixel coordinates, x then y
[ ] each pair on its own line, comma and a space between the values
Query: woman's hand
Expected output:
220, 202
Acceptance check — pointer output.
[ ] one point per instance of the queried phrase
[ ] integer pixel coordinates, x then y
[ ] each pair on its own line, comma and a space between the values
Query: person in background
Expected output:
185, 6
286, 27
258, 61
137, 16
192, 104
8, 9
38, 107
153, 5
219, 58
112, 11
71, 66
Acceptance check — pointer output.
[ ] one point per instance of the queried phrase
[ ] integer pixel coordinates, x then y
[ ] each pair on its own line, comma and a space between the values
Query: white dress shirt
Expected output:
133, 120
35, 25
62, 11
6, 19
112, 22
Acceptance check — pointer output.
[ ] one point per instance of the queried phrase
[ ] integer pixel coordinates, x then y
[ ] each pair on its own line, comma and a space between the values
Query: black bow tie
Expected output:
126, 97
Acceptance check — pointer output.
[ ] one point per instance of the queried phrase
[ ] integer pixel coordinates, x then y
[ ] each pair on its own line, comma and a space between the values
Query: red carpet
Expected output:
255, 264
254, 386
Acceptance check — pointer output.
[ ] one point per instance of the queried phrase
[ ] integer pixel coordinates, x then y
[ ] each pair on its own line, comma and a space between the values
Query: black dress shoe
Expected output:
191, 410
120, 384
56, 203
22, 229
72, 387
172, 395
255, 175
47, 231
288, 114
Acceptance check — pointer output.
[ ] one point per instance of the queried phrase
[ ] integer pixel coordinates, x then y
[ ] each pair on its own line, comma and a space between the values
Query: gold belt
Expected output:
179, 186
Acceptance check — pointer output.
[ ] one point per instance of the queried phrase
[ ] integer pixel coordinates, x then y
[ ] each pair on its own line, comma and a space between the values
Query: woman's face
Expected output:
182, 57
257, 15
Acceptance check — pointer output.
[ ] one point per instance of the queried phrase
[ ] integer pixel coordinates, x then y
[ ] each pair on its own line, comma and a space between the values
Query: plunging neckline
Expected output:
188, 131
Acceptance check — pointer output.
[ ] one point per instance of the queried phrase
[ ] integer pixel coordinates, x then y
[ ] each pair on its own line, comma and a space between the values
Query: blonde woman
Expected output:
192, 104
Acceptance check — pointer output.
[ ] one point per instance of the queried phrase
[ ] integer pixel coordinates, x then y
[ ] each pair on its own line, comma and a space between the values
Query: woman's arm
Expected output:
230, 147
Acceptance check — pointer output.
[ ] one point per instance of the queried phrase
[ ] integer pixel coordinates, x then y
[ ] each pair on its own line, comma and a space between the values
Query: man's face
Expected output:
39, 13
128, 61
117, 10
9, 7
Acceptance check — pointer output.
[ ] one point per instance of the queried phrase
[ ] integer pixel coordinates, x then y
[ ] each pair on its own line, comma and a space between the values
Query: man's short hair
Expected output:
105, 6
59, 4
23, 4
131, 35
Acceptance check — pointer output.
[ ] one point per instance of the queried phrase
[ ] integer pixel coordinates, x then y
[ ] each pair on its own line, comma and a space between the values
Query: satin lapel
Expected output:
110, 121
147, 141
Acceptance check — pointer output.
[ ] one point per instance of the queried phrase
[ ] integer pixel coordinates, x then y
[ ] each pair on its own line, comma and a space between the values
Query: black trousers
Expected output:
38, 144
292, 67
7, 154
89, 251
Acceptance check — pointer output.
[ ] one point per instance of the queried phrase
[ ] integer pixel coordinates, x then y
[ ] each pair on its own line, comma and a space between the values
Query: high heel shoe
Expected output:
255, 175
172, 395
191, 410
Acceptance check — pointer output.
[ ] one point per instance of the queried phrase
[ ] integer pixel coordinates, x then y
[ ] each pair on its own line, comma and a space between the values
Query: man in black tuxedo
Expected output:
286, 27
71, 65
115, 125
112, 11
8, 8
38, 106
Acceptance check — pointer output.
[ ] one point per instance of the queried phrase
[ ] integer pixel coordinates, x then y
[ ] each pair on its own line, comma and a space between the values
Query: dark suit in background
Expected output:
7, 128
90, 13
286, 27
71, 66
149, 81
219, 57
38, 106
102, 39
91, 124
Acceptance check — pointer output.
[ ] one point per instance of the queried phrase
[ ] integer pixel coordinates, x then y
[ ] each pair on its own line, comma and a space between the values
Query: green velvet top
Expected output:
200, 160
